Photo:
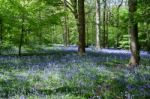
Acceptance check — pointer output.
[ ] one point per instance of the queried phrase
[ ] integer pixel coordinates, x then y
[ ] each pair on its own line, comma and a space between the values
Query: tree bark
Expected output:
148, 36
65, 26
133, 31
104, 23
1, 34
40, 28
21, 36
75, 13
93, 30
87, 34
118, 23
107, 29
98, 24
81, 20
68, 33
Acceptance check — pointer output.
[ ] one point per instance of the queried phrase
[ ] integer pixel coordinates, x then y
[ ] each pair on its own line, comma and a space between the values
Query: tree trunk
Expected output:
40, 28
118, 23
81, 20
133, 31
104, 23
65, 26
79, 14
87, 35
107, 29
98, 24
148, 36
1, 34
21, 36
93, 30
117, 37
68, 33
52, 35
75, 13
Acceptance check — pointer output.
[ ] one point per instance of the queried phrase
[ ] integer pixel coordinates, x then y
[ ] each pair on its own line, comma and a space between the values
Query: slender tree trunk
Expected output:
40, 29
87, 35
65, 26
118, 23
75, 13
81, 13
98, 24
27, 35
148, 36
117, 38
93, 30
68, 33
133, 31
1, 34
52, 35
104, 23
107, 30
22, 35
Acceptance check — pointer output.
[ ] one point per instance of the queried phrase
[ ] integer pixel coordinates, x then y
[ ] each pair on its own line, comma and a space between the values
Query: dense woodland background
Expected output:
33, 24
30, 27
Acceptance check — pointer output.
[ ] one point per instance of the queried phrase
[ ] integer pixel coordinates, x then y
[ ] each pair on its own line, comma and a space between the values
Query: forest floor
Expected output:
60, 73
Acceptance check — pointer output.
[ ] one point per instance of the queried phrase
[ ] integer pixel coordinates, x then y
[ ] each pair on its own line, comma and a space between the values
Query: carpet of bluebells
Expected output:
60, 73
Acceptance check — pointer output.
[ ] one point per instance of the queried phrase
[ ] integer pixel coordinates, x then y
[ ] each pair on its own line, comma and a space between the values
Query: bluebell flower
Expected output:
130, 87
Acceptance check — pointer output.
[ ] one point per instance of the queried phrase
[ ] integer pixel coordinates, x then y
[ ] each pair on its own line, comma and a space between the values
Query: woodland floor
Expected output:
60, 73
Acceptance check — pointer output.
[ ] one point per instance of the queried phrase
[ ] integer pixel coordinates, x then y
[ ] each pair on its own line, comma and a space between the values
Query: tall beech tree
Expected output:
81, 20
133, 31
78, 10
98, 24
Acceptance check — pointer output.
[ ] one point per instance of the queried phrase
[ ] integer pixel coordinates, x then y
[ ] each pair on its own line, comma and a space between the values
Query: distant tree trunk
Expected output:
148, 36
118, 23
65, 26
1, 34
1, 31
98, 24
68, 35
40, 31
75, 13
104, 23
53, 32
107, 29
133, 31
22, 35
93, 30
87, 34
81, 13
28, 30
